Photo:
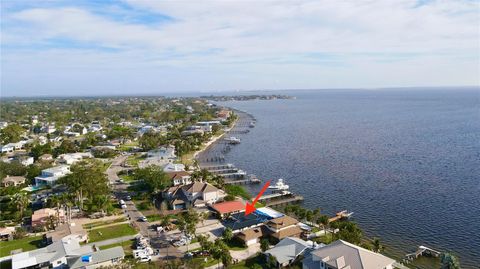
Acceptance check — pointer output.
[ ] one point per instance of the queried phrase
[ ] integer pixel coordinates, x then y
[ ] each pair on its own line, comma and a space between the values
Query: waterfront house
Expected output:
42, 216
196, 194
341, 254
223, 209
10, 181
51, 175
283, 227
68, 253
288, 250
179, 178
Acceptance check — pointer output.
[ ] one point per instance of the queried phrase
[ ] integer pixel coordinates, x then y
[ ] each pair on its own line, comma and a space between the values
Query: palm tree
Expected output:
324, 221
377, 245
55, 200
21, 202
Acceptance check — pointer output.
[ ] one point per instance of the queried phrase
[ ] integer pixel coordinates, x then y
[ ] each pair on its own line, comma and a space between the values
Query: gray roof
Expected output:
340, 254
55, 251
288, 249
98, 257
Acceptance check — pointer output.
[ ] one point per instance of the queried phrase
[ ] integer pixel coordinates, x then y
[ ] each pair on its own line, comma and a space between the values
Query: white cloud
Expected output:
433, 44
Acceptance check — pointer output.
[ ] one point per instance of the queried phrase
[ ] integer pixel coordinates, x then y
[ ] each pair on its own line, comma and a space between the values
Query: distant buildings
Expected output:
51, 175
10, 181
71, 158
159, 157
341, 254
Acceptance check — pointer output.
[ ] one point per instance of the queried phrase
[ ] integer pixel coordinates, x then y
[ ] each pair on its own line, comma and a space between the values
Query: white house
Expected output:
174, 167
160, 157
68, 253
341, 254
7, 148
51, 175
71, 158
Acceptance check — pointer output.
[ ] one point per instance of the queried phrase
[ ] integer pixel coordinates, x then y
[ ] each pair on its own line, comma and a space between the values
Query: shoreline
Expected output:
420, 263
242, 116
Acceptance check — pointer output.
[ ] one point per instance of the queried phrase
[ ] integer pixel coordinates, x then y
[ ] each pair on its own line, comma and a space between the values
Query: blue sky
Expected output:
150, 47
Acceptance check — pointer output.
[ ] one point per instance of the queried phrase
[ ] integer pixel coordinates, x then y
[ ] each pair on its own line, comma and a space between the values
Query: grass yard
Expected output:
110, 232
126, 178
126, 245
97, 224
153, 218
210, 261
326, 239
26, 244
143, 205
133, 160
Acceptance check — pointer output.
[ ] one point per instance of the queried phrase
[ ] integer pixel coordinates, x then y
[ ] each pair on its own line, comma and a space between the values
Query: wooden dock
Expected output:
340, 215
279, 198
248, 180
293, 199
423, 251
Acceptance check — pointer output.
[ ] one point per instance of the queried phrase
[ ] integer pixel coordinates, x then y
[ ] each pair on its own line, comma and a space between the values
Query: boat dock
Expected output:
423, 251
340, 215
250, 179
279, 198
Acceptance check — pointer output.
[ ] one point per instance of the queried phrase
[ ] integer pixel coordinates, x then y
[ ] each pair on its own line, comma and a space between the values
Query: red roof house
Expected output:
228, 207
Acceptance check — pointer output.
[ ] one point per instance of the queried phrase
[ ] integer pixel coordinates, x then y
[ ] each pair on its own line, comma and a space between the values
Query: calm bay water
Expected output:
407, 162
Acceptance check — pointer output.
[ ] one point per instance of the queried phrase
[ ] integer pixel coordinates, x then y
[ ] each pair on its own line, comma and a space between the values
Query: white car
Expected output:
144, 258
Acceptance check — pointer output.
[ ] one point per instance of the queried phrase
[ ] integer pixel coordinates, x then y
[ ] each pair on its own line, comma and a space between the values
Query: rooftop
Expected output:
340, 254
229, 207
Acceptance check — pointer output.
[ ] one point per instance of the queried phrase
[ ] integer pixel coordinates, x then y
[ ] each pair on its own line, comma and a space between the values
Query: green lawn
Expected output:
143, 205
96, 224
26, 244
154, 217
110, 232
126, 245
210, 261
126, 178
133, 160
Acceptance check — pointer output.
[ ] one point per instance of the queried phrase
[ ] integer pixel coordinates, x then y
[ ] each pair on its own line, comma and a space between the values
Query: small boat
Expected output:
232, 140
279, 185
252, 124
345, 214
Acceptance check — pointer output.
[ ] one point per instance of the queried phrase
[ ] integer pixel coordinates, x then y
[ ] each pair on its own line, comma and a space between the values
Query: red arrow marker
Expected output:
249, 208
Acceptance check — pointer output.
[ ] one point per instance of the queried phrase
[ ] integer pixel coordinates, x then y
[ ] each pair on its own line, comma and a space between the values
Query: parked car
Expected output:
145, 258
143, 218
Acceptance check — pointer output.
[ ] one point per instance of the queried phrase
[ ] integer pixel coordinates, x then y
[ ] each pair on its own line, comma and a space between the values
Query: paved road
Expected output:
158, 241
